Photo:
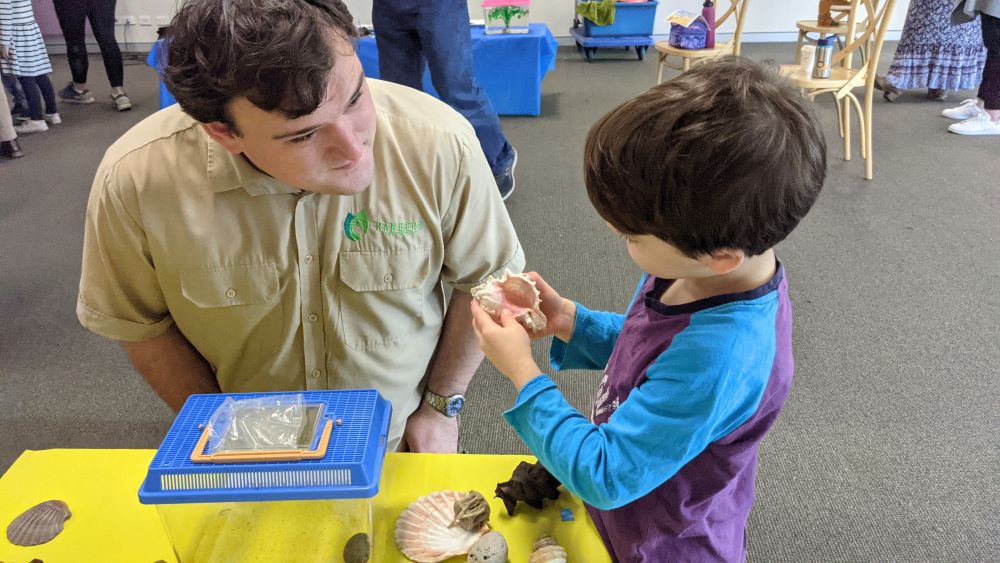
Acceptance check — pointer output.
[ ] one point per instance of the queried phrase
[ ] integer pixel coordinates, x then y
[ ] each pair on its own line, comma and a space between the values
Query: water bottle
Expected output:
708, 12
824, 56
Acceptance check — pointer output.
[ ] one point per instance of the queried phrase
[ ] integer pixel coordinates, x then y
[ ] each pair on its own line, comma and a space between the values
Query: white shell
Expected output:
423, 533
38, 524
515, 292
546, 550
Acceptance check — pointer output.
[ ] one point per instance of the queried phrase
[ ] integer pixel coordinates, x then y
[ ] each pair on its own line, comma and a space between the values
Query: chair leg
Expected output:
847, 127
861, 124
840, 114
659, 69
798, 47
870, 157
687, 64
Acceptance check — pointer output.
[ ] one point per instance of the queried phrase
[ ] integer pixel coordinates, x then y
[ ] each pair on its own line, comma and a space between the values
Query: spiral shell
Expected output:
39, 524
424, 532
516, 293
547, 550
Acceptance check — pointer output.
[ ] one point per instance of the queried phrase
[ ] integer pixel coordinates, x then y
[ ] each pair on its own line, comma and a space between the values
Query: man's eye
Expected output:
304, 138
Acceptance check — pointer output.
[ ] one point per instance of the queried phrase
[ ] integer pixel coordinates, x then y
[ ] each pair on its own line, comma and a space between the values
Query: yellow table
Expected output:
109, 525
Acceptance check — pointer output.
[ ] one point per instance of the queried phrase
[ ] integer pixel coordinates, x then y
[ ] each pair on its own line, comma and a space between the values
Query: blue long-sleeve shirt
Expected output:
680, 382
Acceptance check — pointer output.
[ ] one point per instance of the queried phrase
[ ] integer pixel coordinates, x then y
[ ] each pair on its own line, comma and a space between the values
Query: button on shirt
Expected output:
281, 289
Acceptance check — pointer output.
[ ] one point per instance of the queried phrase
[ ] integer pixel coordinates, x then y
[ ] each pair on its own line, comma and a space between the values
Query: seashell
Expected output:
491, 548
515, 293
423, 531
38, 524
547, 550
472, 512
358, 549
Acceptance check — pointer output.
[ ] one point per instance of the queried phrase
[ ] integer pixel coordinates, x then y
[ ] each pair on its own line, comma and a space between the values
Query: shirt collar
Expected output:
227, 172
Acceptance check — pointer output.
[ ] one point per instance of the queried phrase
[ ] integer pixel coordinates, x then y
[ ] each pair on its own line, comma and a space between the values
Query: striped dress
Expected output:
19, 31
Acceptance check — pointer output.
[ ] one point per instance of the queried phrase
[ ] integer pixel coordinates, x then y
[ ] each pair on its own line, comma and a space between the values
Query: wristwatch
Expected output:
448, 406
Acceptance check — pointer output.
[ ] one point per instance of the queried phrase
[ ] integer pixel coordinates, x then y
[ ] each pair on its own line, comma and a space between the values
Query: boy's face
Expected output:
327, 151
665, 261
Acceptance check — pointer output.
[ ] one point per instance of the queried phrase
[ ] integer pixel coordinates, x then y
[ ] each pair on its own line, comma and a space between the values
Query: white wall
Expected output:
767, 20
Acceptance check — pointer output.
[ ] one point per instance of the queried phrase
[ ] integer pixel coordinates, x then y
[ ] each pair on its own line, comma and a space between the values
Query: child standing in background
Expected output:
28, 60
701, 176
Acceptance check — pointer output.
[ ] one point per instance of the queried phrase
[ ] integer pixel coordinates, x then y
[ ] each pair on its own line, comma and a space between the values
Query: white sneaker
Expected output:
52, 118
979, 125
967, 110
31, 126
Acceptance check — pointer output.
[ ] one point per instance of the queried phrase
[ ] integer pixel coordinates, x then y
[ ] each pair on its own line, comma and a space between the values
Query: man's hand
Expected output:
559, 312
506, 344
428, 431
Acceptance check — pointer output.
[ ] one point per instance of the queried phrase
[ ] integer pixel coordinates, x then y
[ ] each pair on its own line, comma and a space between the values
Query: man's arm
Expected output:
451, 369
172, 367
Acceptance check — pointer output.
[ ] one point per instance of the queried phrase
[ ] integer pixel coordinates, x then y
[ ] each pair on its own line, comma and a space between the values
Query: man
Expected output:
410, 32
293, 226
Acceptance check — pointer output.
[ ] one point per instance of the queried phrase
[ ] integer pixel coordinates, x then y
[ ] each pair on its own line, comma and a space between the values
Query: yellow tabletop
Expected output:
109, 525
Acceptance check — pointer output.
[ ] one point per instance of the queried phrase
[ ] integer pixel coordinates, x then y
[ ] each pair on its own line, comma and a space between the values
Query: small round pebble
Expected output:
491, 548
358, 549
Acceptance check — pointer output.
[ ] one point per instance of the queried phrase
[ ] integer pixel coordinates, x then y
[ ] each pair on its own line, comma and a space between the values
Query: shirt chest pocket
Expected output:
232, 308
381, 295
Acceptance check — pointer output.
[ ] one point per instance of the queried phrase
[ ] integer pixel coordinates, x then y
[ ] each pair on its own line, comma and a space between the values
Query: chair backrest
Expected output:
738, 10
865, 37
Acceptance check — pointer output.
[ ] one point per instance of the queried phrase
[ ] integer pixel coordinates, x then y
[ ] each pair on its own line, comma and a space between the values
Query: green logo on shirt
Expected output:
356, 225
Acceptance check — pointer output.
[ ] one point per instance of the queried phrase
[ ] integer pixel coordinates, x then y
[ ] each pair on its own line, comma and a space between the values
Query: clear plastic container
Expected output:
268, 531
506, 16
272, 491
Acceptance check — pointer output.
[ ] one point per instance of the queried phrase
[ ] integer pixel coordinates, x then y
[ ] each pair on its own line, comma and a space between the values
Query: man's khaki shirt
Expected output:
281, 289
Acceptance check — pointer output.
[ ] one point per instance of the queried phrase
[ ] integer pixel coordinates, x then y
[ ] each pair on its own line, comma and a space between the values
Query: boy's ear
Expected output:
725, 260
224, 135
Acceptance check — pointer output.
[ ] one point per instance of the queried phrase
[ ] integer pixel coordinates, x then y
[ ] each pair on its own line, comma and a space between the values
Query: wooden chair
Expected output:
806, 27
867, 35
737, 9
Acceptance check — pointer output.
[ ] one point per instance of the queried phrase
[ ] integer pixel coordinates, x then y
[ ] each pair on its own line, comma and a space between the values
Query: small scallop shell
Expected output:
423, 531
38, 524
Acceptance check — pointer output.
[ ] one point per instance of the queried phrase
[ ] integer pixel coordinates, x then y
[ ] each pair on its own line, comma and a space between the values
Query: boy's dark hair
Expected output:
277, 53
724, 156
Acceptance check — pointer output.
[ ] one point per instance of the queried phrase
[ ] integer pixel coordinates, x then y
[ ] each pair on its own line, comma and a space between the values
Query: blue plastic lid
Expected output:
351, 467
826, 42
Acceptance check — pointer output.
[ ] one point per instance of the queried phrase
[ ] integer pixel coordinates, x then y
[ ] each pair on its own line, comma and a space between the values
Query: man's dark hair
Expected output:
724, 156
277, 53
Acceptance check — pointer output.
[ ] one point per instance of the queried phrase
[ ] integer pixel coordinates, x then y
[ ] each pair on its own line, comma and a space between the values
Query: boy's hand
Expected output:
506, 344
560, 313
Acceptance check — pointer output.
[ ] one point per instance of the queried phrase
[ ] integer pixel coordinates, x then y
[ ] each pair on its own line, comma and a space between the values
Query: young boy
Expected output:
702, 176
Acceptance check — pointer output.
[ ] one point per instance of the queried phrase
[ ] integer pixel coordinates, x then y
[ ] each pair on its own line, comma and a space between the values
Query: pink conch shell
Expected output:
514, 292
38, 524
547, 550
423, 533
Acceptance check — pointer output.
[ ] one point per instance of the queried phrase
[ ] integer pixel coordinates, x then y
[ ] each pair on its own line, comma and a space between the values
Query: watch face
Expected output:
455, 405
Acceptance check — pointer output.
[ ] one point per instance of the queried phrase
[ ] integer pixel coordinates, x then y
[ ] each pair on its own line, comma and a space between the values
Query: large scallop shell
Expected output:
516, 293
38, 524
423, 531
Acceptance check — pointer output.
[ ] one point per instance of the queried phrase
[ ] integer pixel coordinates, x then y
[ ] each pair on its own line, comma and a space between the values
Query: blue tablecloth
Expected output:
510, 68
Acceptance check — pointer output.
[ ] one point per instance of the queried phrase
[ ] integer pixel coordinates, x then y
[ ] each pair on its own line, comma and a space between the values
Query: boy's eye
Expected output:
304, 138
354, 100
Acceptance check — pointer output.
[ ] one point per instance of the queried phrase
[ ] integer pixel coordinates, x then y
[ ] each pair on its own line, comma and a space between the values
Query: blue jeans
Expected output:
410, 33
18, 103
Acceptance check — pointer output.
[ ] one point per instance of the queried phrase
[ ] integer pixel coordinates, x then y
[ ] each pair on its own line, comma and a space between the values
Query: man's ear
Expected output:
726, 260
225, 136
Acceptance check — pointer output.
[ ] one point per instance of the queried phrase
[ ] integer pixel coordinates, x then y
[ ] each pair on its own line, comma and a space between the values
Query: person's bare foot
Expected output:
937, 94
889, 92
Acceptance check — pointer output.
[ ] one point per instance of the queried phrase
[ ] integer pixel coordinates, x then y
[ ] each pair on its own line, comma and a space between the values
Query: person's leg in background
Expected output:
15, 96
72, 15
101, 14
9, 147
51, 114
36, 118
400, 56
986, 108
445, 36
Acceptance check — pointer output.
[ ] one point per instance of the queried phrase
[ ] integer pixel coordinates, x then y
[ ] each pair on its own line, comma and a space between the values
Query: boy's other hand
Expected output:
506, 344
560, 313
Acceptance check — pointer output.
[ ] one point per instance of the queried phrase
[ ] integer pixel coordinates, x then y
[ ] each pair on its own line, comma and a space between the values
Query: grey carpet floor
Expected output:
887, 449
